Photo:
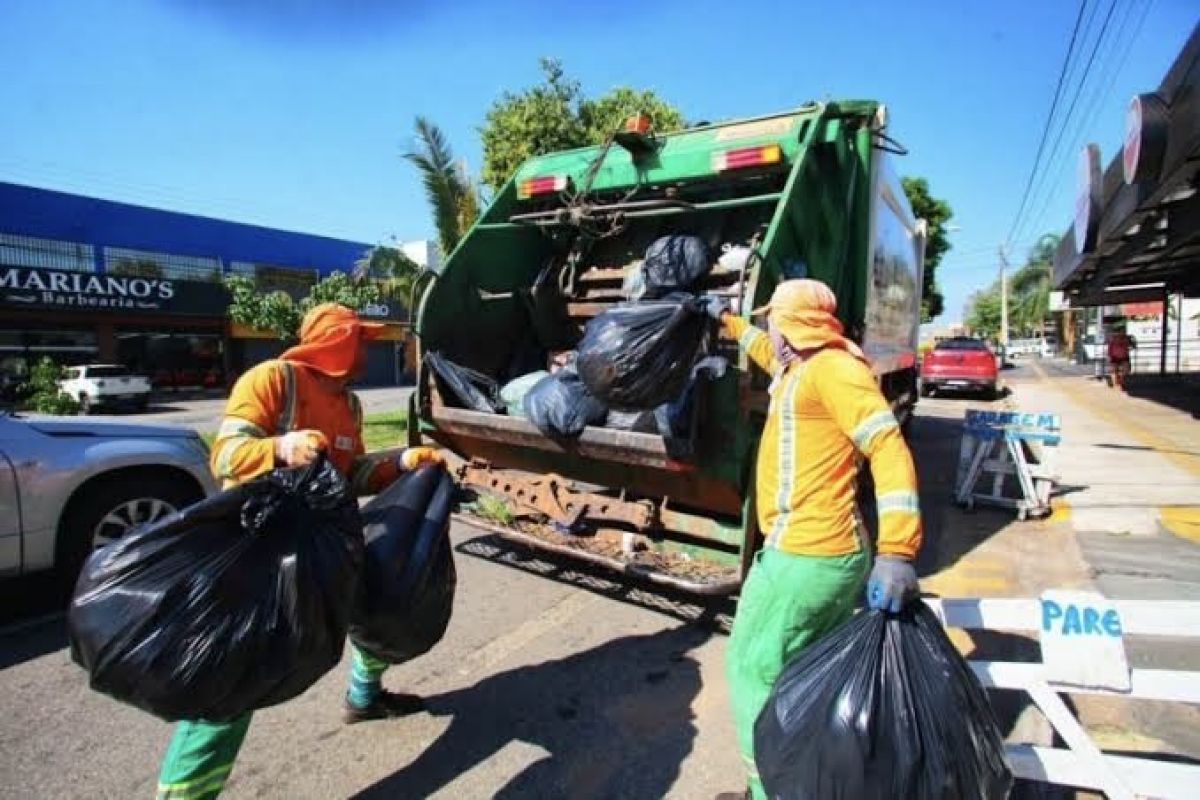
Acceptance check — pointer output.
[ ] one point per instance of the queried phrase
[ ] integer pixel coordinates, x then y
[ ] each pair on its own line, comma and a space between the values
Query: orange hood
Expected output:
802, 311
329, 338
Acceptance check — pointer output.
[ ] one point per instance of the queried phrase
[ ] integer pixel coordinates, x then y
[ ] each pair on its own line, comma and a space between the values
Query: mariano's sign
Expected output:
86, 291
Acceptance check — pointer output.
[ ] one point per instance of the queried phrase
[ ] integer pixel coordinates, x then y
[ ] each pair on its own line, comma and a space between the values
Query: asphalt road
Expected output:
551, 682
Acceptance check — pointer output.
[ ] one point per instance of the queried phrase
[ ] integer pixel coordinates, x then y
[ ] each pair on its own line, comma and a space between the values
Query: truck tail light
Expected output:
543, 184
756, 156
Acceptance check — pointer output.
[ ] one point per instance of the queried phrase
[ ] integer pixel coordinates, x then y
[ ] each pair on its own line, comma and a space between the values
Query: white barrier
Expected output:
1083, 765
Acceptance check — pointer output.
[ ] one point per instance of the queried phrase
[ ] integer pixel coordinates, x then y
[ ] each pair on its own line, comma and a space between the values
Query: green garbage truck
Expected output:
804, 193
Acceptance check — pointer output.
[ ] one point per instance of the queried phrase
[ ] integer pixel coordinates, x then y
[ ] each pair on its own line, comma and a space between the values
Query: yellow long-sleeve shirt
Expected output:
276, 397
824, 413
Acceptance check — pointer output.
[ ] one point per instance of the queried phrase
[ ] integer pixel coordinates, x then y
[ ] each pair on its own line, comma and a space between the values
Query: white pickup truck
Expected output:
105, 386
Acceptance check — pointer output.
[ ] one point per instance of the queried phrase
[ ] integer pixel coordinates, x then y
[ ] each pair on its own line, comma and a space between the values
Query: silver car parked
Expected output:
68, 485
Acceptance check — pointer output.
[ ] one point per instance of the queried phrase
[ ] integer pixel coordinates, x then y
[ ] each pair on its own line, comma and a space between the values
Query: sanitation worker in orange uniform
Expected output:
825, 413
283, 413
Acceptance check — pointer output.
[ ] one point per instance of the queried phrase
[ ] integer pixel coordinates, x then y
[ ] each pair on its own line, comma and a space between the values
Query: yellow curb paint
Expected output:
1060, 511
1183, 521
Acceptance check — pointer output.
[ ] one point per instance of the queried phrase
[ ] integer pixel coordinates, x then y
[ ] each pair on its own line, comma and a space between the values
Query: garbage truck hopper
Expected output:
805, 193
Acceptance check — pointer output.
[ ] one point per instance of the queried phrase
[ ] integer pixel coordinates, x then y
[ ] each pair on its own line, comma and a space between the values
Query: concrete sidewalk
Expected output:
1130, 486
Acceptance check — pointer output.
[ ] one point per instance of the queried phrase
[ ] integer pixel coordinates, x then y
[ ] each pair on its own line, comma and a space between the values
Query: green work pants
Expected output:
786, 604
201, 754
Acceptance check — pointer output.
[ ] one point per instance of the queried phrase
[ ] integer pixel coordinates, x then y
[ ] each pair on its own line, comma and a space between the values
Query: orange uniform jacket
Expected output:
276, 397
824, 413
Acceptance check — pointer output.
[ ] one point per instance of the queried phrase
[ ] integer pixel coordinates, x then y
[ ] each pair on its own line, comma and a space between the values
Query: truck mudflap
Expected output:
549, 513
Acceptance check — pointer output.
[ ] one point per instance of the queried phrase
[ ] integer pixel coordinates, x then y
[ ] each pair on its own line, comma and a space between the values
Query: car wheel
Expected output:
991, 393
110, 508
85, 405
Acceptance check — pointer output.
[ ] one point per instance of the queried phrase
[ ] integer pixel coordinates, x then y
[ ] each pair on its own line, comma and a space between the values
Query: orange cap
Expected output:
329, 339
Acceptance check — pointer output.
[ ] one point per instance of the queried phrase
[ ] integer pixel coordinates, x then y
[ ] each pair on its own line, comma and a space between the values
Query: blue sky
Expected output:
293, 113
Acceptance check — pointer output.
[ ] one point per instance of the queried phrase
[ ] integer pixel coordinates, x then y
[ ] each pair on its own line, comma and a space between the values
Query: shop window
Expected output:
145, 264
35, 253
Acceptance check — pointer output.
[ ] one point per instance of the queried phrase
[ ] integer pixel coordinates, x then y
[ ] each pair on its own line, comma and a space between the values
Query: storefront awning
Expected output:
1138, 223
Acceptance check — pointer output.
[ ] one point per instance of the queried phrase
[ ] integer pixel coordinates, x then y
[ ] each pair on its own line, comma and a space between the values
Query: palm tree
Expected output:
389, 267
1030, 286
452, 195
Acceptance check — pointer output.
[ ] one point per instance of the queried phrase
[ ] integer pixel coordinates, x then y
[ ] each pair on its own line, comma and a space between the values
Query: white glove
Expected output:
299, 448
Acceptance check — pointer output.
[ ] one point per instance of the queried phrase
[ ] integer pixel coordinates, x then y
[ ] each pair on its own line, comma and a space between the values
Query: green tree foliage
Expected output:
554, 115
41, 392
452, 195
983, 314
1029, 288
937, 214
278, 313
607, 113
1028, 295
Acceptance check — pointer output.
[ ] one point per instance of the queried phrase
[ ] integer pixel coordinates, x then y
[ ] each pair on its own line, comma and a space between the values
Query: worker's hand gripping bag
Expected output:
882, 708
236, 603
407, 592
638, 356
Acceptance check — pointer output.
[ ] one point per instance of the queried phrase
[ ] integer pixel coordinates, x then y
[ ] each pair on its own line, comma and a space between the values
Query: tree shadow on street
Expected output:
950, 532
616, 721
1177, 392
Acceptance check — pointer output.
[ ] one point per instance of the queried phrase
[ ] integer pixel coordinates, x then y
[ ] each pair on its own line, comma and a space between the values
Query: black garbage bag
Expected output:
637, 357
882, 708
560, 405
673, 264
469, 388
677, 419
236, 603
409, 581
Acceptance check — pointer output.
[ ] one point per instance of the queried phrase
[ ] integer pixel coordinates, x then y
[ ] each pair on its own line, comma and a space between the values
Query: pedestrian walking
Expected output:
1118, 346
826, 411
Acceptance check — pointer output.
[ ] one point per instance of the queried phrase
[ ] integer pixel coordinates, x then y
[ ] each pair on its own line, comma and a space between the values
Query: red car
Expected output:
962, 364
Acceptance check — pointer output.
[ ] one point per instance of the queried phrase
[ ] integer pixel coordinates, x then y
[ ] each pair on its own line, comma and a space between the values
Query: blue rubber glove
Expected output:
714, 306
893, 584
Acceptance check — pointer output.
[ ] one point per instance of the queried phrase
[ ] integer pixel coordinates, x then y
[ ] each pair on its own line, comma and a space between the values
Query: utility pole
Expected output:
1003, 300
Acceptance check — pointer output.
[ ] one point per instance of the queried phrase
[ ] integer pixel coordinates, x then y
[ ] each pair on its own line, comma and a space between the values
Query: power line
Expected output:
1062, 73
1083, 79
1104, 86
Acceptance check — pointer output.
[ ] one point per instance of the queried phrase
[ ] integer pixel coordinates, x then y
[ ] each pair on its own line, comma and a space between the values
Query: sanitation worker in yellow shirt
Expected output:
283, 413
825, 412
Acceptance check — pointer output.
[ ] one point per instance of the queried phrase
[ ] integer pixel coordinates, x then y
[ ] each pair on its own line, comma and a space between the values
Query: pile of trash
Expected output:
637, 367
245, 599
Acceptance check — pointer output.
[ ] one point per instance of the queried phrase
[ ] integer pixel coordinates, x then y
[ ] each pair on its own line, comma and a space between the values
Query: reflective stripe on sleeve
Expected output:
872, 425
902, 501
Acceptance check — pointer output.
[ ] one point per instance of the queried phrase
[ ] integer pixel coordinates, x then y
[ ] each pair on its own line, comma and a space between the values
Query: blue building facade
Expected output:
89, 280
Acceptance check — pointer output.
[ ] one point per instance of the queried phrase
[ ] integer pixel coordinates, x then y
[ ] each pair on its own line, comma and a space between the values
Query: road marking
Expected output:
1183, 521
